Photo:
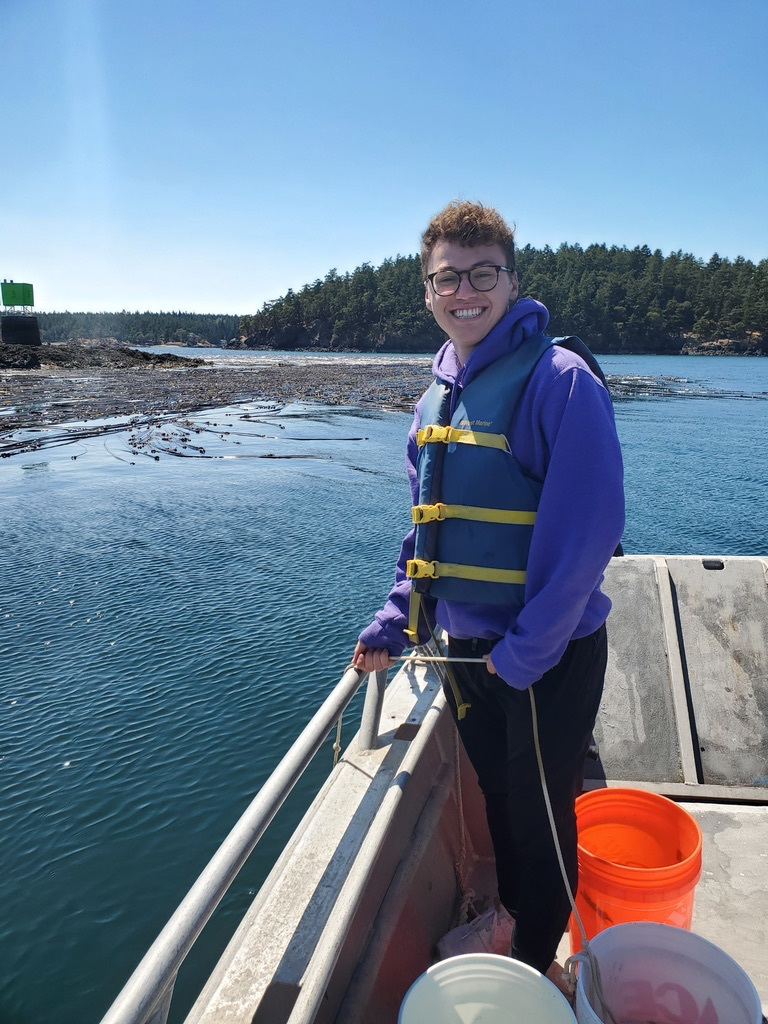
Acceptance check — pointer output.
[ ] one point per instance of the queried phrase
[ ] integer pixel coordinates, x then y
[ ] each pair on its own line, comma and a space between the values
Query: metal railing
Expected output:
146, 997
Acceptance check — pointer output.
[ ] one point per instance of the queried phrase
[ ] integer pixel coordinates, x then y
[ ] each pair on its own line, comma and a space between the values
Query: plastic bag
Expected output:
491, 932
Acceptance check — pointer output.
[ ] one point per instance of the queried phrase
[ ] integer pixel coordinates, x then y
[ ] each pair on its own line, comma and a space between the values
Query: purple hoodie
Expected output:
562, 433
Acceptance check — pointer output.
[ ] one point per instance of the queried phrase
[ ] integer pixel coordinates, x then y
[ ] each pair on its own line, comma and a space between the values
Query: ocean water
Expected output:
172, 611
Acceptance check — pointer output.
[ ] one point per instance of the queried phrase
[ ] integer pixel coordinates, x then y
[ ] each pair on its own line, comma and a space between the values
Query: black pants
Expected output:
497, 733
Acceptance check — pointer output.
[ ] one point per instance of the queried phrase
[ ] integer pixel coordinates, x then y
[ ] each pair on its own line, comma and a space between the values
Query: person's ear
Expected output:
427, 296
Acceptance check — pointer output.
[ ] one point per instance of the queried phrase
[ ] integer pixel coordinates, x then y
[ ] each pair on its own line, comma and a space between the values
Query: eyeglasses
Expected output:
482, 279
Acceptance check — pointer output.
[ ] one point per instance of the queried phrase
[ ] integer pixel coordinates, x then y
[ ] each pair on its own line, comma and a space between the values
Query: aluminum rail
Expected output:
374, 700
146, 997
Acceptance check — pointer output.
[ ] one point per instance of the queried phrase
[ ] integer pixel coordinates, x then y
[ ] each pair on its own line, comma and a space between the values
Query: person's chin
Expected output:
469, 336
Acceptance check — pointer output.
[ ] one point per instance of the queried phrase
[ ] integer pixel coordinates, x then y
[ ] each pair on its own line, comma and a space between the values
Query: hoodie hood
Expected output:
527, 317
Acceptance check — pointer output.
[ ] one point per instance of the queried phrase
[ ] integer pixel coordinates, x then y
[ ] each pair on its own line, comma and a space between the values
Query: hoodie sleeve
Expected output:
387, 628
575, 449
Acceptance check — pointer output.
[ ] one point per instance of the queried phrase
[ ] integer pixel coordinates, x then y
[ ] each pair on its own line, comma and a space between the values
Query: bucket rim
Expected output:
480, 958
685, 870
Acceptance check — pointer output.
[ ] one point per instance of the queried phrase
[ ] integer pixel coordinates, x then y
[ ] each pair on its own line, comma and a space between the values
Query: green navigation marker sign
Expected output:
17, 294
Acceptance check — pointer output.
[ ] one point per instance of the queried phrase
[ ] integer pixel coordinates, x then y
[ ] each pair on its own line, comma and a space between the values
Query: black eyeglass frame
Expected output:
468, 274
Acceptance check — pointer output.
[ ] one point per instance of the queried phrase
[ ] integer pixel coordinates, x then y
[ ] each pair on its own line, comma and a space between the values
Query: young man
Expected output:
517, 482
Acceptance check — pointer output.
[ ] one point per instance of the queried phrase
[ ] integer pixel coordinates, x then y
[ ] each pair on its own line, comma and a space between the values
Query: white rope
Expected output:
592, 983
467, 894
432, 657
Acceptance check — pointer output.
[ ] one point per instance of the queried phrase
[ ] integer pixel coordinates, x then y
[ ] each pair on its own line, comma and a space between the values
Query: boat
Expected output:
395, 844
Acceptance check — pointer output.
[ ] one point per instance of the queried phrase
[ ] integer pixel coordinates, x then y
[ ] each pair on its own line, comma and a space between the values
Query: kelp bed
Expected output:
154, 406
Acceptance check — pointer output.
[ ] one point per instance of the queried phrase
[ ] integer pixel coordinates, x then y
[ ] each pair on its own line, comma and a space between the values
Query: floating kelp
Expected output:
177, 437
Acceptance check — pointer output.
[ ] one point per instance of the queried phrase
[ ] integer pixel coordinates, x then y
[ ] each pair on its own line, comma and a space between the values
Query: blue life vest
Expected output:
476, 507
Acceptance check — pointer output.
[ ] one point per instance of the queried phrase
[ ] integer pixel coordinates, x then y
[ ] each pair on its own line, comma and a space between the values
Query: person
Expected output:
516, 474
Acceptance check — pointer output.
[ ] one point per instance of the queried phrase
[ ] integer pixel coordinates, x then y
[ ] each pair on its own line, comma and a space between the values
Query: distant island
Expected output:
619, 300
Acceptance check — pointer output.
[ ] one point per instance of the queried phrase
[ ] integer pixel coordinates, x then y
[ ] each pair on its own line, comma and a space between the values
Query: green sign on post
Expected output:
17, 294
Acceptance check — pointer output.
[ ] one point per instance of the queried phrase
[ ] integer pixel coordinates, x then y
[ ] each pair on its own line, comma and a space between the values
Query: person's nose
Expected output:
465, 288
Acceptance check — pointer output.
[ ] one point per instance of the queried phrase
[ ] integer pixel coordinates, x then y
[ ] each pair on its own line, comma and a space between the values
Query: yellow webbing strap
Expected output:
414, 607
440, 511
417, 568
450, 435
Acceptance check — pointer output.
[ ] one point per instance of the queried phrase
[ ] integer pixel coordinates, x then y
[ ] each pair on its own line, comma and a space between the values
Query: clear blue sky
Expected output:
175, 154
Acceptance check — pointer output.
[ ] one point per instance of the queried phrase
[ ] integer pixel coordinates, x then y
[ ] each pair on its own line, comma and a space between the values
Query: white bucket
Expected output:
666, 975
483, 988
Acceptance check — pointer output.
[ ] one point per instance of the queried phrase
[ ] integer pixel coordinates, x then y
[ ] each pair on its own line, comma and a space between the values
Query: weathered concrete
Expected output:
633, 731
686, 694
730, 906
723, 616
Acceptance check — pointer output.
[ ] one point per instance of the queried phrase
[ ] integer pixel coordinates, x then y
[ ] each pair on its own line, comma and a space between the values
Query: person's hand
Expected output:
490, 666
371, 659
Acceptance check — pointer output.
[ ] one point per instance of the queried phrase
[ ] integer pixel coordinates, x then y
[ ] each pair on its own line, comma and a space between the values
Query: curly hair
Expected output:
468, 224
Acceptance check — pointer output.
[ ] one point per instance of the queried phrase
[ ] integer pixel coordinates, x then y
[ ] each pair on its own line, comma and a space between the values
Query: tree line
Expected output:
141, 328
617, 299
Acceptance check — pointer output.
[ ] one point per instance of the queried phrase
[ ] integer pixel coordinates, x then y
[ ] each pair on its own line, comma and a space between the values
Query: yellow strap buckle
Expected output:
418, 569
432, 432
428, 513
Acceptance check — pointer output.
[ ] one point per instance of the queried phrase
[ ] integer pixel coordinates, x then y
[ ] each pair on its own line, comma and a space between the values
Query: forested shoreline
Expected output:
619, 300
140, 328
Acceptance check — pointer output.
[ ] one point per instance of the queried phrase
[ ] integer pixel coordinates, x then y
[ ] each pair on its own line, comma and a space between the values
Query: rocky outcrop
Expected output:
754, 346
80, 356
19, 357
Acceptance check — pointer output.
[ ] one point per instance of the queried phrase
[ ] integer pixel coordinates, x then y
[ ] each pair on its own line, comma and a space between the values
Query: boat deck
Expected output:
368, 883
693, 725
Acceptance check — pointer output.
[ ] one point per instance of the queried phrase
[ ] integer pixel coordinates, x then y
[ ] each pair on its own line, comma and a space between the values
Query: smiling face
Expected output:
468, 315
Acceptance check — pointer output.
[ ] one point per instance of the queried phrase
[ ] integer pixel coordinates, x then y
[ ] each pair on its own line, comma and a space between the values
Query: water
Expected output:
167, 628
696, 467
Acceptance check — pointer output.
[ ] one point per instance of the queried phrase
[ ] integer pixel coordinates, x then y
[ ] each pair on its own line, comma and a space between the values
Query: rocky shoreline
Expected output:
126, 382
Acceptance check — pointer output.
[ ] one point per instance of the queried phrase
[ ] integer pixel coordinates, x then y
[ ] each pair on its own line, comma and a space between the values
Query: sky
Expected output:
206, 157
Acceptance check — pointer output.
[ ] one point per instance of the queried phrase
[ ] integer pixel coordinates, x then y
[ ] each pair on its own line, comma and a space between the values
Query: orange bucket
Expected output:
639, 860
